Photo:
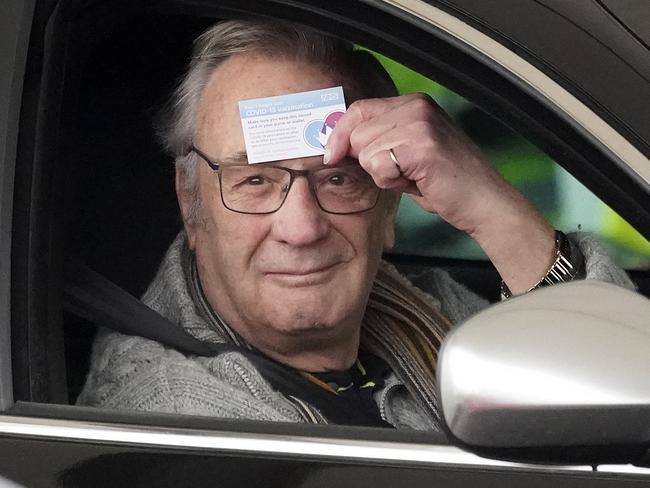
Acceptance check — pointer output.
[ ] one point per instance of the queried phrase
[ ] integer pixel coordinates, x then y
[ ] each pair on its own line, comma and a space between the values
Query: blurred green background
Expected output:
565, 202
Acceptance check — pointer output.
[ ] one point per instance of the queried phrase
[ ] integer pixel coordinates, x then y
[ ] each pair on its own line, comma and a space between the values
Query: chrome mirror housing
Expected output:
559, 375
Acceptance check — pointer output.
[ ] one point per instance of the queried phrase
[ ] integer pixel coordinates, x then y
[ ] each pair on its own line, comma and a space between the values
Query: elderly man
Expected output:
284, 258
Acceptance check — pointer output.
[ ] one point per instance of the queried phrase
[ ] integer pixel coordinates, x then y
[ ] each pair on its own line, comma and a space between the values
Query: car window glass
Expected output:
565, 202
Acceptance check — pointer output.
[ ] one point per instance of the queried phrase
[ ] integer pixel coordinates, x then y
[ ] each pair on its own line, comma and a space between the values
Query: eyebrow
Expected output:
239, 157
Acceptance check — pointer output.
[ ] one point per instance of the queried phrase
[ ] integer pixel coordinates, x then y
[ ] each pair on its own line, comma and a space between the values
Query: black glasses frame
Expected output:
293, 174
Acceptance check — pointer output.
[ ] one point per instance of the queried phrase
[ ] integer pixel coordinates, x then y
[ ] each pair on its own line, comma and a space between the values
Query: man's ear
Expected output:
392, 204
186, 203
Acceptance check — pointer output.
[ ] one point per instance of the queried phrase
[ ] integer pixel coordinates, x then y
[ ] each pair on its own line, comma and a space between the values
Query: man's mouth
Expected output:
303, 276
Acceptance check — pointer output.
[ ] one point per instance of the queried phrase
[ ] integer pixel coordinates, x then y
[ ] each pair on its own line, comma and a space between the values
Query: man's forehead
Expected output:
249, 76
270, 75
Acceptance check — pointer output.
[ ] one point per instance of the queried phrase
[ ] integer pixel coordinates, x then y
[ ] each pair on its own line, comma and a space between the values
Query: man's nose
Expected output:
300, 221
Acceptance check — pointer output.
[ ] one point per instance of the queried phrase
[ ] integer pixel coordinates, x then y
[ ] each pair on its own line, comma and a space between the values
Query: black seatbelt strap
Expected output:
99, 301
92, 297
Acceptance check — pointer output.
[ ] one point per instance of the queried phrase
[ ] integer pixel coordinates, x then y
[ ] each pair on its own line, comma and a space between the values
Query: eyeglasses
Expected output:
261, 189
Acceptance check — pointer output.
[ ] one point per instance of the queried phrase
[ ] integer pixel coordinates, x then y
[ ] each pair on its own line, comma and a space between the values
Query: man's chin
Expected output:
310, 313
309, 317
304, 328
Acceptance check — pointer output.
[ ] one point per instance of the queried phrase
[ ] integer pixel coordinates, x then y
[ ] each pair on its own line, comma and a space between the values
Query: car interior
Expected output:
96, 189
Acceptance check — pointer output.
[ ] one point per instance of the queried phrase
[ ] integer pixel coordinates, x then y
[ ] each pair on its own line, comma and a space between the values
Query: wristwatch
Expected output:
569, 265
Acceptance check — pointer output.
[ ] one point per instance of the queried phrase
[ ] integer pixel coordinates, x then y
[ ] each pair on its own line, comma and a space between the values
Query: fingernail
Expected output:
327, 155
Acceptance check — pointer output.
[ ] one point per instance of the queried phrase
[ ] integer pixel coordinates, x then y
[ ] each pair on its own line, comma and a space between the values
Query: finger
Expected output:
376, 157
360, 111
405, 184
389, 161
416, 107
384, 170
367, 132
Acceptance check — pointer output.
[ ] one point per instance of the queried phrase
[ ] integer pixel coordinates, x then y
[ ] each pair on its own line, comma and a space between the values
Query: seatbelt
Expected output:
90, 296
94, 298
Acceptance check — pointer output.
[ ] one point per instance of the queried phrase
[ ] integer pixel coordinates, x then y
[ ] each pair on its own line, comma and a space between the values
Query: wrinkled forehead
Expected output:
245, 77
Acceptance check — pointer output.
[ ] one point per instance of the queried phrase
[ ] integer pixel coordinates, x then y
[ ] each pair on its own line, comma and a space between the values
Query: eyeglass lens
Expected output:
262, 189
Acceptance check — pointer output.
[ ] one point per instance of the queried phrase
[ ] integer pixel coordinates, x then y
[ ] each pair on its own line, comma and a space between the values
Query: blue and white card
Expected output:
290, 126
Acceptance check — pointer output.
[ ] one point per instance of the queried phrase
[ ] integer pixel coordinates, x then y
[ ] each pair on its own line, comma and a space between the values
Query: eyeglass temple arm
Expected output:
212, 164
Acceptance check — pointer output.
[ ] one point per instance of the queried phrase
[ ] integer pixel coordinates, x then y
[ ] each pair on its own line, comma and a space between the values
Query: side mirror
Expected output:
559, 375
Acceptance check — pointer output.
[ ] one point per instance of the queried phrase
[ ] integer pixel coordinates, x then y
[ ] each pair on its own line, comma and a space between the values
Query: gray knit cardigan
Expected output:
133, 373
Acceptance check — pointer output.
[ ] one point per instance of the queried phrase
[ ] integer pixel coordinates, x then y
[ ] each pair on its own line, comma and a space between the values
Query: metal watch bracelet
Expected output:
568, 265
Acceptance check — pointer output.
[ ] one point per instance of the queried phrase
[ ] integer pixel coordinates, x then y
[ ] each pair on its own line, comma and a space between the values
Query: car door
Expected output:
68, 191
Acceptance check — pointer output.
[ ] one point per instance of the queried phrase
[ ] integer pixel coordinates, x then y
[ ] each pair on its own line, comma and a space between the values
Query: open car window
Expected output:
93, 185
112, 204
561, 197
107, 189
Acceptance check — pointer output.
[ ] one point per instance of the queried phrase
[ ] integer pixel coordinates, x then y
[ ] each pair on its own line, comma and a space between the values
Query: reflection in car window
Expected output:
563, 200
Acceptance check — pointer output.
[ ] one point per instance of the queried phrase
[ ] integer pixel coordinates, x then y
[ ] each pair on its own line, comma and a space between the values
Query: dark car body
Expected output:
80, 177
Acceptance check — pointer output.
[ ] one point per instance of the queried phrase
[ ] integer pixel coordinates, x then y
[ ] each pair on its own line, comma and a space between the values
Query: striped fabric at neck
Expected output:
402, 326
204, 308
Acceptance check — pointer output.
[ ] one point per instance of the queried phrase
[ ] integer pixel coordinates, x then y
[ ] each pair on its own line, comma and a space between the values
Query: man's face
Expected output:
298, 274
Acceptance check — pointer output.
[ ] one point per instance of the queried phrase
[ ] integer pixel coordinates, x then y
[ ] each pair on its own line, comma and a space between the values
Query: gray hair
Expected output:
363, 75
